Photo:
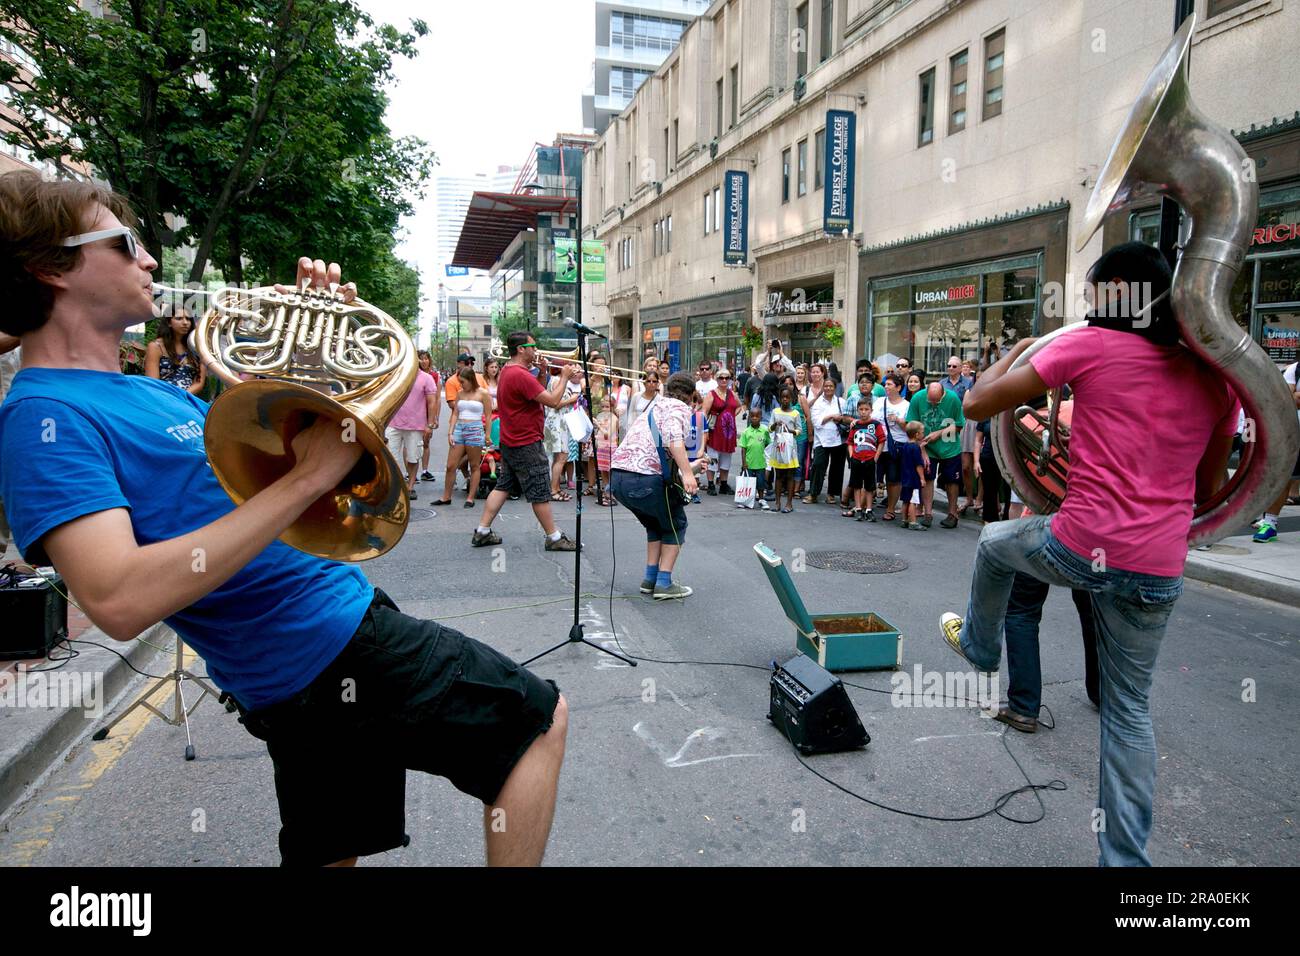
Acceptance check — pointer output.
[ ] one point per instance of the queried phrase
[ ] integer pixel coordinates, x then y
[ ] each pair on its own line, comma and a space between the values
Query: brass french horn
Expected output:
293, 357
1167, 147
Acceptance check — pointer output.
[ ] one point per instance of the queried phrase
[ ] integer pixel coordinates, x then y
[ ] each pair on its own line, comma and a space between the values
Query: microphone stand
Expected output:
575, 630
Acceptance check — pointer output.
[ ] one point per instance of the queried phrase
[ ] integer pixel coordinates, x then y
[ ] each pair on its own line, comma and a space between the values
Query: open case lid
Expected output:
784, 587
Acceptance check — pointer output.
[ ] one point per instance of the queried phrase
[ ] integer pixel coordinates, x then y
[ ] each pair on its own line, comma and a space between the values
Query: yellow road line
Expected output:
102, 757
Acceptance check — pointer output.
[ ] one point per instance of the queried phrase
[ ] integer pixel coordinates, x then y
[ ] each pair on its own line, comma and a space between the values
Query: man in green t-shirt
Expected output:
939, 411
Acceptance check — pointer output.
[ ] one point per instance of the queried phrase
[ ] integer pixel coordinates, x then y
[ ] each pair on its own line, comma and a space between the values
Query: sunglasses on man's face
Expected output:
127, 241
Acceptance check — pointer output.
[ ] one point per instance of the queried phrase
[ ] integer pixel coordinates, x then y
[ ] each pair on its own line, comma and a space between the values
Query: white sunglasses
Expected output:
132, 245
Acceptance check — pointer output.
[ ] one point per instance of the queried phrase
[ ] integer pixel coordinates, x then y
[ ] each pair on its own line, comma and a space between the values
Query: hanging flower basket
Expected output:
832, 332
752, 338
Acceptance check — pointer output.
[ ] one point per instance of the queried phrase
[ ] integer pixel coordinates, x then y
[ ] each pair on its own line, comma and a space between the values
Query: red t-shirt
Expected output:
521, 414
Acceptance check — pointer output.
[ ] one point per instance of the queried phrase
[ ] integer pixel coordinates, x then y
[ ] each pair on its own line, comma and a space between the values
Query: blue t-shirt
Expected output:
912, 460
74, 442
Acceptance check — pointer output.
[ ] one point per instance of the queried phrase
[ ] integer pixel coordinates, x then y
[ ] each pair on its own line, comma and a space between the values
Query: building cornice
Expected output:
1284, 125
1027, 213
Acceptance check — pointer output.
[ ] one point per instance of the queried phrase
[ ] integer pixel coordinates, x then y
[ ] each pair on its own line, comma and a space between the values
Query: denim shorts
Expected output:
404, 694
660, 512
468, 433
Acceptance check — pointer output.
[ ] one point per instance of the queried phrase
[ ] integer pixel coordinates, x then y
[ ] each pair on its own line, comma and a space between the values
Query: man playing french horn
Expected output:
83, 452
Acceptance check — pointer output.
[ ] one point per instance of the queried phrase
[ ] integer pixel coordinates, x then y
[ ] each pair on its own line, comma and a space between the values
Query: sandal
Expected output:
847, 513
561, 496
588, 491
809, 500
786, 511
445, 501
888, 516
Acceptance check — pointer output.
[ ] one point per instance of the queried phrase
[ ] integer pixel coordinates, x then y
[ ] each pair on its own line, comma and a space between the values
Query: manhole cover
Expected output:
422, 514
856, 562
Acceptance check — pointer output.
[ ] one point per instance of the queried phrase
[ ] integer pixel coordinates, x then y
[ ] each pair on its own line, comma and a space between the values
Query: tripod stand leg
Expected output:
141, 701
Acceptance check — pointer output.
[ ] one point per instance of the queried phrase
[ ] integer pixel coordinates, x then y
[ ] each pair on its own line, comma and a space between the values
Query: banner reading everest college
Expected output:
840, 145
735, 219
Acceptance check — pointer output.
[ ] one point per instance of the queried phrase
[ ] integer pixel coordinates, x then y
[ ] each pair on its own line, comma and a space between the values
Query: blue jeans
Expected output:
1131, 611
1024, 673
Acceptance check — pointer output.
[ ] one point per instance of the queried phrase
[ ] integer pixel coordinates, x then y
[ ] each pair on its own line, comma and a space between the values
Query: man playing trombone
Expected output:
524, 467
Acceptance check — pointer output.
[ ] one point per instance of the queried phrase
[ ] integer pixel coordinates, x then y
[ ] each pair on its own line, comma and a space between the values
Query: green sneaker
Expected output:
672, 592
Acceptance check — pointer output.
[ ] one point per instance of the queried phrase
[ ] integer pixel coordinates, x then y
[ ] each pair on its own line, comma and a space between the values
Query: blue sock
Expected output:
651, 572
664, 580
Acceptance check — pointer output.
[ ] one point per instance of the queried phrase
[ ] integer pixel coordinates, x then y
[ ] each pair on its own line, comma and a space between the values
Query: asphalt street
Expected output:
675, 764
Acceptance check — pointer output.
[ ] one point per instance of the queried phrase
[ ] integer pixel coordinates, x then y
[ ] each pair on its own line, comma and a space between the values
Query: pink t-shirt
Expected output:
413, 415
638, 452
1143, 415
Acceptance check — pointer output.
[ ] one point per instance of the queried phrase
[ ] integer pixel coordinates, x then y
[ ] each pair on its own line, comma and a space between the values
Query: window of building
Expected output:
824, 49
1265, 299
928, 317
636, 31
677, 147
735, 95
668, 233
668, 156
658, 245
785, 175
926, 134
801, 40
717, 132
819, 159
717, 208
1221, 6
487, 331
708, 213
624, 82
957, 92
803, 168
994, 47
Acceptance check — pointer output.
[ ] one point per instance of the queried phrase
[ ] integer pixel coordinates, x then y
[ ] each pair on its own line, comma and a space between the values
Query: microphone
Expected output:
585, 329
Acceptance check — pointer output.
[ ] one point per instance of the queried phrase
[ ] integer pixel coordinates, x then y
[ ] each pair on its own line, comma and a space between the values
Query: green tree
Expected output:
259, 124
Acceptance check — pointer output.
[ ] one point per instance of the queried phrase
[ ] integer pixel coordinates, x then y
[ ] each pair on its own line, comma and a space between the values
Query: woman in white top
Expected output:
491, 373
891, 409
650, 393
828, 414
465, 435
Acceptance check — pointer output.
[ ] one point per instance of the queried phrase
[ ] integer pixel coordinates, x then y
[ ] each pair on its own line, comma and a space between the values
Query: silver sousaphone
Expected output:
1169, 148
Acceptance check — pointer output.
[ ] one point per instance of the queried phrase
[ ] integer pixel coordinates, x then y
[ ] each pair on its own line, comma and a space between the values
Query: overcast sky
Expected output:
493, 77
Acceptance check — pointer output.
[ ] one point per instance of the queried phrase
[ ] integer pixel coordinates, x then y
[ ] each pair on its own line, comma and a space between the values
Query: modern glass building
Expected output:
632, 39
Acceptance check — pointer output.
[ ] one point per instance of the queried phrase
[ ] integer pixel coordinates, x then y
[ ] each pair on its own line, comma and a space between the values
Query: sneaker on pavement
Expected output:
868, 515
648, 586
764, 506
695, 500
483, 539
565, 543
927, 520
949, 522
950, 628
671, 592
414, 495
1265, 533
426, 475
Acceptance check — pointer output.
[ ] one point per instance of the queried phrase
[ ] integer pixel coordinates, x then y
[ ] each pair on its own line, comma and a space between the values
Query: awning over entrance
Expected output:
494, 219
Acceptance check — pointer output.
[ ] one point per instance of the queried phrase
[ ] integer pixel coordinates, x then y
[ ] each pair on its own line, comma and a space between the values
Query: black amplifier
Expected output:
810, 706
34, 615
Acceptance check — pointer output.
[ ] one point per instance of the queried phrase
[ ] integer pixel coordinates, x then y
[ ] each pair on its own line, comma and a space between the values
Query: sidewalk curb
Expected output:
32, 740
1258, 584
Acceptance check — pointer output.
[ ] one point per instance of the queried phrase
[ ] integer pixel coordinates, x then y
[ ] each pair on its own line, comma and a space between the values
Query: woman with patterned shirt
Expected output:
639, 482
